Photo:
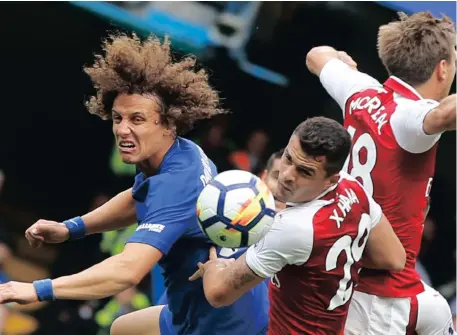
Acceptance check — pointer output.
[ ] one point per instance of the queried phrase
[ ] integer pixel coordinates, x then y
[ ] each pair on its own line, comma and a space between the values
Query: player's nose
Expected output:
288, 174
123, 128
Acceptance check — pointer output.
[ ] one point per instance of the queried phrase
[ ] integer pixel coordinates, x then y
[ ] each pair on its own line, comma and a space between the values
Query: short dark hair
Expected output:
275, 155
320, 136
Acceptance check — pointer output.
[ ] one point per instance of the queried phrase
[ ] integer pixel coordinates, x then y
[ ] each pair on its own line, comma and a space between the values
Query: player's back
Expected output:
392, 157
399, 178
173, 193
312, 296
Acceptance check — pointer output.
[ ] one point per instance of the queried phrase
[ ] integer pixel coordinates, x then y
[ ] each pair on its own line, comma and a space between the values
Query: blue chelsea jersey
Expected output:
167, 220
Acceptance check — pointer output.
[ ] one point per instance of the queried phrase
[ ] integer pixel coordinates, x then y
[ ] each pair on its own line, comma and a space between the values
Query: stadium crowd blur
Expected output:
56, 164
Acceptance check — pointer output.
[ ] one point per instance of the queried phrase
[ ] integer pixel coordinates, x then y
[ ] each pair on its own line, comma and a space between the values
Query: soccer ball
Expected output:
235, 209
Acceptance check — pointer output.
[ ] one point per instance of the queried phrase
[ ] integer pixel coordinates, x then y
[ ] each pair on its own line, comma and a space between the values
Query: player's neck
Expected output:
428, 90
149, 166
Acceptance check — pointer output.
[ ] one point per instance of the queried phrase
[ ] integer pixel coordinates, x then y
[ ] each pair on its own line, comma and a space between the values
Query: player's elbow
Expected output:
130, 278
217, 297
129, 275
400, 261
133, 280
397, 260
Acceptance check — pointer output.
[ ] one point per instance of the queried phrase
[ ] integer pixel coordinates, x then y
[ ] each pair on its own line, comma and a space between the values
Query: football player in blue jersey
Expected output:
151, 100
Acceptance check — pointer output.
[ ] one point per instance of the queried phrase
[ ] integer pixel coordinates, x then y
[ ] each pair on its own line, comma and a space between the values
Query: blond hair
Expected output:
411, 48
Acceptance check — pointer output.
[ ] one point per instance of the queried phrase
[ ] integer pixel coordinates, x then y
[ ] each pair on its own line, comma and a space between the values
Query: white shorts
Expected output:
428, 313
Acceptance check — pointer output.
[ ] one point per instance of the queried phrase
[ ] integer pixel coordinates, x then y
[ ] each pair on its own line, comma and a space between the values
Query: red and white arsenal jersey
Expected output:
312, 253
392, 157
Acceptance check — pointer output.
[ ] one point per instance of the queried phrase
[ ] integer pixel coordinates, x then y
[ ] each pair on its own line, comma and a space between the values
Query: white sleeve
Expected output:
408, 126
341, 81
375, 211
287, 242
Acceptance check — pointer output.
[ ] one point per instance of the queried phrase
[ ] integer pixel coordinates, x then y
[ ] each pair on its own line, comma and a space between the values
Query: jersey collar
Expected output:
399, 86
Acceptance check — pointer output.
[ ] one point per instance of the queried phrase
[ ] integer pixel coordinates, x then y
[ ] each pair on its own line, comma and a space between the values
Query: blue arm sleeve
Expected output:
170, 208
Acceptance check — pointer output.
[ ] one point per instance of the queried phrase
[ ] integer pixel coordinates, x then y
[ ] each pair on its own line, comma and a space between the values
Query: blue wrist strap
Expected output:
77, 228
44, 290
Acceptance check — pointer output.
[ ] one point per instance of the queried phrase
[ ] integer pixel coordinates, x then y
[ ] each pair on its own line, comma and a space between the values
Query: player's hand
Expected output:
47, 232
213, 260
21, 293
344, 57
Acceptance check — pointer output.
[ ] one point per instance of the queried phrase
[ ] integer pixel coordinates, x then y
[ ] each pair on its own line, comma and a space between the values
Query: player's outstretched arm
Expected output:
338, 73
384, 250
441, 118
119, 212
105, 279
226, 280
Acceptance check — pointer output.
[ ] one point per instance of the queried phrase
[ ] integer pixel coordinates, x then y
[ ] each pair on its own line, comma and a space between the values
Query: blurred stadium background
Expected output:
57, 161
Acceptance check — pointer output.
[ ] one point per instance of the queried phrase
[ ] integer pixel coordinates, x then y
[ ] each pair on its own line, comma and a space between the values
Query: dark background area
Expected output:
55, 154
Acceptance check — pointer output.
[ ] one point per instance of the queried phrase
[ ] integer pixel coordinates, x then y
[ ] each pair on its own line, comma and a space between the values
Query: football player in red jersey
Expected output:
314, 248
395, 128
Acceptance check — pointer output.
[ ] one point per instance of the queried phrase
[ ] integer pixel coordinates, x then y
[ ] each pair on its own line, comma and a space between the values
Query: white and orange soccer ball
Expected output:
235, 209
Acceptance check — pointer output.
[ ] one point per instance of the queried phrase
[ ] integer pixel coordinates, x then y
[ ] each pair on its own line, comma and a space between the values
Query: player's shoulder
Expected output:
350, 189
300, 218
404, 104
184, 157
346, 180
187, 164
341, 199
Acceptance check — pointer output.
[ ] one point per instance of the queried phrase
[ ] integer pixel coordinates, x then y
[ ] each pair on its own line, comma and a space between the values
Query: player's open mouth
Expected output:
127, 146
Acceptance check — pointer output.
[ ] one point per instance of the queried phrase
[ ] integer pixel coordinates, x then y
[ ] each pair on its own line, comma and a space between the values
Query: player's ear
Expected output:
168, 131
442, 70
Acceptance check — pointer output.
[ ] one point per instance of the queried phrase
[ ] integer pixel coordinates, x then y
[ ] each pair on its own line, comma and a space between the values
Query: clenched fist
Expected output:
47, 232
21, 293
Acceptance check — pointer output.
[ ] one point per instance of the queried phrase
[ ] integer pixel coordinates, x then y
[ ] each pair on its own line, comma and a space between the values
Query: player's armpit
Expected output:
441, 118
384, 250
224, 285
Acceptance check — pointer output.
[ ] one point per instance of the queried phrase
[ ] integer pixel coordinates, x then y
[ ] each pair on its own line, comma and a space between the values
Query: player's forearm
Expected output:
105, 279
117, 213
442, 118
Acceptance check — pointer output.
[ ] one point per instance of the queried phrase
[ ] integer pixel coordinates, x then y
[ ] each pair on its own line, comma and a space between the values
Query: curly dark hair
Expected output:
321, 136
133, 66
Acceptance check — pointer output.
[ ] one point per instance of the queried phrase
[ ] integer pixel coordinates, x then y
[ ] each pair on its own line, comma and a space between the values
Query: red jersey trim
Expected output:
399, 86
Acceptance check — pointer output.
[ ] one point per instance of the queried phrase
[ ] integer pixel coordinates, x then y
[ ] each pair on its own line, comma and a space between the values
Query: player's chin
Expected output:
128, 158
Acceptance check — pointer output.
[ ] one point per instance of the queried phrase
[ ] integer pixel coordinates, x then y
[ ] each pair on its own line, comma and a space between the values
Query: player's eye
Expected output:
305, 172
137, 119
116, 118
